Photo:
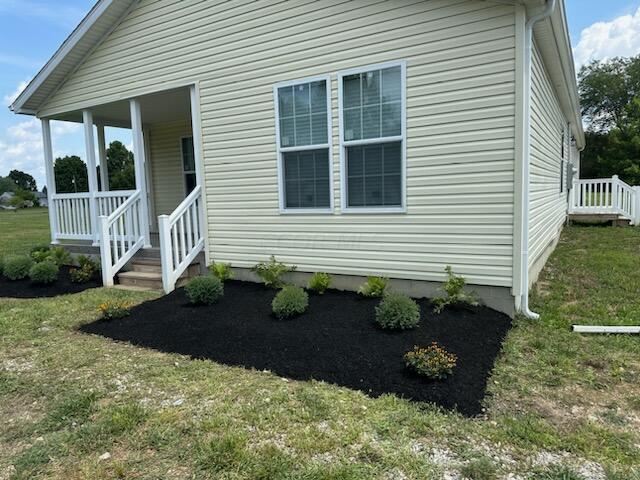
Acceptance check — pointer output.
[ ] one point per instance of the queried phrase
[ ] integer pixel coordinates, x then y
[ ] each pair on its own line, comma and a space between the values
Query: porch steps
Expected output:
146, 273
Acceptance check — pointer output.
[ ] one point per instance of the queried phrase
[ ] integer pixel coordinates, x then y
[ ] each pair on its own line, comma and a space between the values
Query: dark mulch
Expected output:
336, 341
27, 289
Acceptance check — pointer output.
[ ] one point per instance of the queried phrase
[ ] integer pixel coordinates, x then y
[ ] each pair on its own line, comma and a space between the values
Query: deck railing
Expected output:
605, 196
73, 212
122, 234
181, 238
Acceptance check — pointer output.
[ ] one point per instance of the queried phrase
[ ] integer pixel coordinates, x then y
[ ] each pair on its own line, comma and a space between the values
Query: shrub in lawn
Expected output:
16, 267
271, 272
204, 290
397, 312
319, 282
114, 309
221, 270
86, 271
373, 287
453, 288
290, 302
44, 272
433, 362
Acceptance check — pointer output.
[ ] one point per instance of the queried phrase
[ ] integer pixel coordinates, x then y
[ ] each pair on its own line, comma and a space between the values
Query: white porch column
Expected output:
102, 156
89, 142
139, 156
50, 179
196, 131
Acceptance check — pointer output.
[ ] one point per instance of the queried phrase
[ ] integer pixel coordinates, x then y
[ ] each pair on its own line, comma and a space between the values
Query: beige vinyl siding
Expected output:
167, 180
460, 123
548, 205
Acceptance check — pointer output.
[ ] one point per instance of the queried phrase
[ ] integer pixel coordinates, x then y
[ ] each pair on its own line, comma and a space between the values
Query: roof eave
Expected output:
70, 42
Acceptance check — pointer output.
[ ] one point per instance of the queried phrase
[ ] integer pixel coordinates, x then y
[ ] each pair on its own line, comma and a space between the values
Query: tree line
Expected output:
71, 174
610, 100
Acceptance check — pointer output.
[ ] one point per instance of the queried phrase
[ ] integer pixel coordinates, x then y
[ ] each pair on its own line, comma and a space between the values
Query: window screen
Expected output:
372, 137
303, 145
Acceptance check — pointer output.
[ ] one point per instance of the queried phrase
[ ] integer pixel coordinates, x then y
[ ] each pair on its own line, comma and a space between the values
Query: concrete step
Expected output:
148, 265
150, 280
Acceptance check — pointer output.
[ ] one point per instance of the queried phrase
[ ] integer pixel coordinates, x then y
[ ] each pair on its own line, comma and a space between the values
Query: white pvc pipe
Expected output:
526, 150
605, 329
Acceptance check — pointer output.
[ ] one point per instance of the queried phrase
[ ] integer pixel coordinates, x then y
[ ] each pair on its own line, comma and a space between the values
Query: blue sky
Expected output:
31, 31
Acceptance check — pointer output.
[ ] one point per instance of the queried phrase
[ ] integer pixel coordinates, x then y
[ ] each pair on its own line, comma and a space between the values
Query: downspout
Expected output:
526, 154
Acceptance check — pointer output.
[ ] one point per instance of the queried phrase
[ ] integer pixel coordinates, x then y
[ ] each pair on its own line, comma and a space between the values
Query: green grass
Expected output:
560, 402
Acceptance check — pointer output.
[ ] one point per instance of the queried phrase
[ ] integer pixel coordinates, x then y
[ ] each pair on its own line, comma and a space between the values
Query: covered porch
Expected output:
163, 215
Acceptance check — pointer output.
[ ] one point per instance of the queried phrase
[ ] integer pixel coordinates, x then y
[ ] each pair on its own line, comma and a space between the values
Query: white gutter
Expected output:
526, 153
605, 329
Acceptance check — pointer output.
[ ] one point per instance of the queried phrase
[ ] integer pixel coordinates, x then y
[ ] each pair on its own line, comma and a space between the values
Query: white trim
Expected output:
605, 329
139, 157
280, 151
344, 208
198, 150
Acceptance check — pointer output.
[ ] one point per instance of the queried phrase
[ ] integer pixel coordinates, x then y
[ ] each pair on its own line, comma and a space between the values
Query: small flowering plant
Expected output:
114, 309
433, 362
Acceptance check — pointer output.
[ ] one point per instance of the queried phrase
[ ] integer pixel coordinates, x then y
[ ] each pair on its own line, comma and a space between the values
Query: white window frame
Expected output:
186, 172
344, 207
282, 150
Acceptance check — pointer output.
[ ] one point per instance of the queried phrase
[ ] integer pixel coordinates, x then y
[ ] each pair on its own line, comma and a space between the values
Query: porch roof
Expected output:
94, 27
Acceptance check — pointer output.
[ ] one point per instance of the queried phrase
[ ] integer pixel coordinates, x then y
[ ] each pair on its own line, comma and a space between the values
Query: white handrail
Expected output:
121, 236
605, 196
72, 212
181, 238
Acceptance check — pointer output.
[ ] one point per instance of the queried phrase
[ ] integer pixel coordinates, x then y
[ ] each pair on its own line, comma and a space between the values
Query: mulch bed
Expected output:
27, 289
336, 341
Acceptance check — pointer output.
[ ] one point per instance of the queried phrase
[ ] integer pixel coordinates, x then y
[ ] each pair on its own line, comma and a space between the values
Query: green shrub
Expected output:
397, 312
86, 271
44, 272
41, 247
373, 287
16, 267
433, 362
290, 302
40, 252
453, 288
114, 309
82, 274
60, 256
319, 282
271, 272
204, 290
221, 270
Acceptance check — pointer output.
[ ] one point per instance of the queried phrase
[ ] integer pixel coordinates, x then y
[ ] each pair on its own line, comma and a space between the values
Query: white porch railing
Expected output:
605, 196
121, 236
181, 238
73, 212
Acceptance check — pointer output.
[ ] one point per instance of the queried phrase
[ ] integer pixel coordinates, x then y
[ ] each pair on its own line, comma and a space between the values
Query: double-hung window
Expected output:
303, 126
372, 103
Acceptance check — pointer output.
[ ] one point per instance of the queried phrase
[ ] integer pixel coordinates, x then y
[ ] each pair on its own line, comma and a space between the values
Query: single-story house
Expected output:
6, 197
42, 199
351, 137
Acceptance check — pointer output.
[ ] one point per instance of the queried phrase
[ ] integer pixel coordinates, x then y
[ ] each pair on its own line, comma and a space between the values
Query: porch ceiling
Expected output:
162, 107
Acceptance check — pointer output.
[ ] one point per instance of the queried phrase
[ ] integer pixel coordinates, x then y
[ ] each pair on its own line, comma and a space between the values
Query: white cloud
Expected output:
10, 97
21, 147
618, 38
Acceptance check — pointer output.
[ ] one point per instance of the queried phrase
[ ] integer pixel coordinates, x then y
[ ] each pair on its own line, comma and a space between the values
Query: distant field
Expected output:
21, 229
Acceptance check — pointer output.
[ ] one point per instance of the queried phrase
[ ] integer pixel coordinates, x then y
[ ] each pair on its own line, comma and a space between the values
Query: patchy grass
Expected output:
562, 405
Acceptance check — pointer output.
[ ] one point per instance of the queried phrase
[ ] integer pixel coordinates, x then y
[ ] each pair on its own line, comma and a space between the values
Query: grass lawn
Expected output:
563, 405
